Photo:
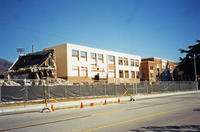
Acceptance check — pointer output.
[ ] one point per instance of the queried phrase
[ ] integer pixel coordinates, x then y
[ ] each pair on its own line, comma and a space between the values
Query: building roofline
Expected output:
157, 58
96, 49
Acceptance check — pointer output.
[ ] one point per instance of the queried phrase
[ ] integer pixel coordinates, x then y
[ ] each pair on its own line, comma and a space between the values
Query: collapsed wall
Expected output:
32, 69
37, 65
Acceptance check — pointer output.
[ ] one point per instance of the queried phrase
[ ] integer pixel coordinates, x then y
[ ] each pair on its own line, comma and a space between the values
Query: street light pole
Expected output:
195, 70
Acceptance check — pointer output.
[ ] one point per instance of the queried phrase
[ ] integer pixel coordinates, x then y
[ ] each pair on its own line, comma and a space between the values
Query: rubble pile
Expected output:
35, 82
1, 82
57, 81
10, 83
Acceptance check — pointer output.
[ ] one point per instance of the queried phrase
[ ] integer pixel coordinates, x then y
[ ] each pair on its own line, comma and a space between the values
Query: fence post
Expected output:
93, 90
79, 90
0, 93
147, 88
49, 91
66, 92
197, 87
45, 98
136, 88
26, 95
105, 89
175, 85
115, 89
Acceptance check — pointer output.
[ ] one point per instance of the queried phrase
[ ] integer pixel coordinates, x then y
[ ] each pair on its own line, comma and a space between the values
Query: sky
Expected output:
147, 28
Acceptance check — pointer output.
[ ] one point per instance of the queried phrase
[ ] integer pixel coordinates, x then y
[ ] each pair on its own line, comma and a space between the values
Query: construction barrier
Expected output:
30, 93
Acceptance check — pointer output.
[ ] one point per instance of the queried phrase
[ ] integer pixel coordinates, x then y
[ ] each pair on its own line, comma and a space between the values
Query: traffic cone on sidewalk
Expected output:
52, 109
118, 100
91, 104
81, 104
105, 102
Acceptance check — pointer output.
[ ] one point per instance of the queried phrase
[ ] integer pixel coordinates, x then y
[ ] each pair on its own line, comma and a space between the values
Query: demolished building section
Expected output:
38, 65
38, 68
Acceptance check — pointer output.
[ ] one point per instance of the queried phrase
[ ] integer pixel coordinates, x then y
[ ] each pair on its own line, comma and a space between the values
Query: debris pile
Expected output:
35, 82
58, 81
10, 83
1, 82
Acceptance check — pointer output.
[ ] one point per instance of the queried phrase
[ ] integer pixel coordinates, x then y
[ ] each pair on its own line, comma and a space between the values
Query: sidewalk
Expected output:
77, 104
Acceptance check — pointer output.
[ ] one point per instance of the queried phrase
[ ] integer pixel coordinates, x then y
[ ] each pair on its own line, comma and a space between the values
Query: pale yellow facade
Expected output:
81, 64
61, 59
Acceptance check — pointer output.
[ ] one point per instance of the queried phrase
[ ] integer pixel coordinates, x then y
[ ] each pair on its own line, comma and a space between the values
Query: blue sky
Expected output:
142, 27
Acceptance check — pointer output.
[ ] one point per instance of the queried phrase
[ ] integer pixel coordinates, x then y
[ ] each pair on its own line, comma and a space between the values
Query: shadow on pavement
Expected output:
183, 128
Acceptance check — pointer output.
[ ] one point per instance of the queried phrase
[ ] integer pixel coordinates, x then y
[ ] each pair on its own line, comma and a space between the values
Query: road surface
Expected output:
173, 113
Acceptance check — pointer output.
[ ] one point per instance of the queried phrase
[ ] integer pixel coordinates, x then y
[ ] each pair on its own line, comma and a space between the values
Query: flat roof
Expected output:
103, 50
156, 58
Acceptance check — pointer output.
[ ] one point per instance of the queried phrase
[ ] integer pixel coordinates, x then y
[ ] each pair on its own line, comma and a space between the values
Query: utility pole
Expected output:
33, 48
195, 70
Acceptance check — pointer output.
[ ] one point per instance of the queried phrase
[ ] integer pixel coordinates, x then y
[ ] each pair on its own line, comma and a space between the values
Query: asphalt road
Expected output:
174, 113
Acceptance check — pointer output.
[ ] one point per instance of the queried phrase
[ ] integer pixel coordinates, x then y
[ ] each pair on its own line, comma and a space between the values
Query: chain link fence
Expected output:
26, 92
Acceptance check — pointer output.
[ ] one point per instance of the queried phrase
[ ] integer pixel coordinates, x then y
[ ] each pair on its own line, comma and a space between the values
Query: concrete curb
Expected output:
76, 104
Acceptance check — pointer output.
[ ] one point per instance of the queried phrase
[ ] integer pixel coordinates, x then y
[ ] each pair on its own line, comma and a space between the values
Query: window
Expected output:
120, 61
132, 74
100, 57
75, 53
137, 63
151, 74
75, 71
137, 75
126, 61
83, 54
111, 58
126, 74
93, 68
121, 75
132, 62
151, 67
83, 71
93, 55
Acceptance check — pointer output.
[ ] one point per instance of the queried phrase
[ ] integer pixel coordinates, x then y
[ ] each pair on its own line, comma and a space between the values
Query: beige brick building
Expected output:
81, 64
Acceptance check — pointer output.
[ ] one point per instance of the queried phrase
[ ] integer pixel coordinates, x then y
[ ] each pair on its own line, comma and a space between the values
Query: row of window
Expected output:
84, 72
124, 61
83, 54
125, 74
121, 60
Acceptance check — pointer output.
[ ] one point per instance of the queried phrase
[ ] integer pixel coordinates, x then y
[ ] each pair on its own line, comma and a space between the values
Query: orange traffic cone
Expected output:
91, 104
105, 102
118, 100
81, 104
52, 109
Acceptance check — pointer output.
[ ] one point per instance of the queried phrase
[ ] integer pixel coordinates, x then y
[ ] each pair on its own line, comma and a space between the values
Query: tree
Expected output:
187, 63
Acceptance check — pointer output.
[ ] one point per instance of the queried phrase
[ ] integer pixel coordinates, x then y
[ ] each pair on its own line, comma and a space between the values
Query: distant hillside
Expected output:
4, 64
